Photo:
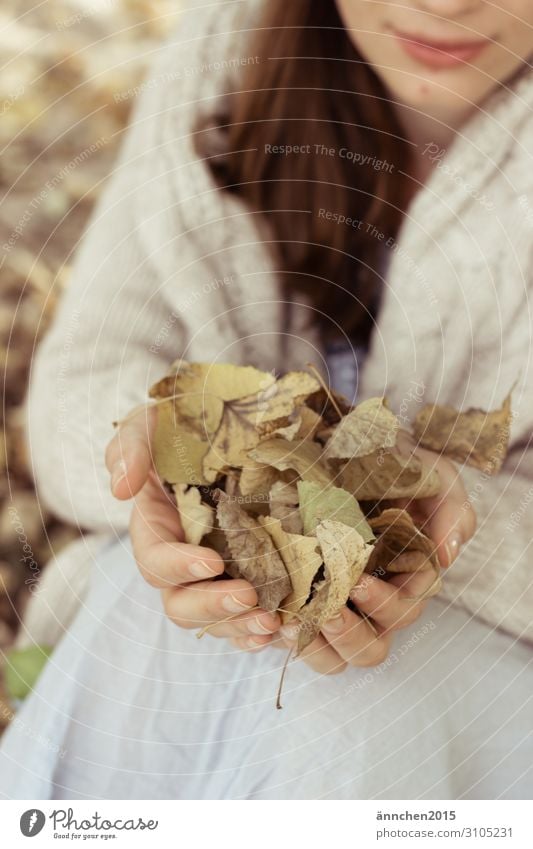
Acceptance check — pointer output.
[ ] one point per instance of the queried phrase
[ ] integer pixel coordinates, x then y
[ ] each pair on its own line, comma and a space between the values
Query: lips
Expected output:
440, 54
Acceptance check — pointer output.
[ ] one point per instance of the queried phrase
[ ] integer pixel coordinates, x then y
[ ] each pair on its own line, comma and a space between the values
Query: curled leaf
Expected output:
284, 506
400, 545
254, 555
196, 518
345, 556
302, 561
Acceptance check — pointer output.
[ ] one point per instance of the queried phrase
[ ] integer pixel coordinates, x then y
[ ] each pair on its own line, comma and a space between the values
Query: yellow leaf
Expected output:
197, 519
369, 426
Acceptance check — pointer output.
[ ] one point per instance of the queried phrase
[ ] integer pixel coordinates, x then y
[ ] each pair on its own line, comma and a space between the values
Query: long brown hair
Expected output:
311, 88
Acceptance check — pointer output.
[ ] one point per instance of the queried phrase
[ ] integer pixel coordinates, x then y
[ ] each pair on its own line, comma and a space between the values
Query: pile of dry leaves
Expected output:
296, 489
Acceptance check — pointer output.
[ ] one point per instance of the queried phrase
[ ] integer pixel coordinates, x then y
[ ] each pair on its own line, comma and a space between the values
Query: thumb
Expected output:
129, 454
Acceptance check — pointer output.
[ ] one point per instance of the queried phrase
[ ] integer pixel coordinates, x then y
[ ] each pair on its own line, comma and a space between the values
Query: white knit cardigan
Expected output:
170, 266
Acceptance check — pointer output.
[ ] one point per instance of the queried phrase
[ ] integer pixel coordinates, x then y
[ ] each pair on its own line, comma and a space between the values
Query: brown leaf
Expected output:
400, 544
254, 556
389, 474
257, 477
302, 561
345, 556
368, 427
284, 506
476, 437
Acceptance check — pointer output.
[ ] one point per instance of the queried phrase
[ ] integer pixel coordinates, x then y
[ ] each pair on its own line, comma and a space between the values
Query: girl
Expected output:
347, 182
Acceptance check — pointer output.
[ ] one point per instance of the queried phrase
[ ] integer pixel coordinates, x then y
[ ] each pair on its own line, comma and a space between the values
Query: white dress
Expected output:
132, 707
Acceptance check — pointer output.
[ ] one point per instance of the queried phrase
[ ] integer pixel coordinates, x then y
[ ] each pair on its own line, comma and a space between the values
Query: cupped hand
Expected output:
349, 640
193, 594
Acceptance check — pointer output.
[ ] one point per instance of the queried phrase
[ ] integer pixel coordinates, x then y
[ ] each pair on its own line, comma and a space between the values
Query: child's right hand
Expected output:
184, 573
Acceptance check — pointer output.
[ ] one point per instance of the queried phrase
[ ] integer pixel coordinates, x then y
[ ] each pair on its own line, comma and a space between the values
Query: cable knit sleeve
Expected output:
115, 331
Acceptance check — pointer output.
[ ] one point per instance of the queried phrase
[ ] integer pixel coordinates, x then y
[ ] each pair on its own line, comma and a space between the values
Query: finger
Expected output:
259, 623
128, 456
448, 518
156, 536
353, 639
319, 656
197, 605
251, 644
391, 604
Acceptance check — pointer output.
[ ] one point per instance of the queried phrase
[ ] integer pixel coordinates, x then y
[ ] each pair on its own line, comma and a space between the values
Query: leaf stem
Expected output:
326, 388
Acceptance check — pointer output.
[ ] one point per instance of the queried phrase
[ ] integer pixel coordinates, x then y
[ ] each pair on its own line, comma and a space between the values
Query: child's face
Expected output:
441, 56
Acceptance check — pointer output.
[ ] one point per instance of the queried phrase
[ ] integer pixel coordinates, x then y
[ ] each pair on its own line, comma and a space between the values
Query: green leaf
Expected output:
318, 503
23, 667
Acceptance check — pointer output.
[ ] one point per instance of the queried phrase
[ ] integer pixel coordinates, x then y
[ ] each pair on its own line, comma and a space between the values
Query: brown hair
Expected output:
311, 87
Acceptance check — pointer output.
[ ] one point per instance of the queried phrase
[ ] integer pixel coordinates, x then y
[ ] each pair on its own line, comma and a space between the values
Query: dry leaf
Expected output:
398, 540
345, 556
389, 474
253, 553
284, 506
318, 503
309, 423
257, 477
368, 427
197, 519
476, 437
304, 456
302, 561
178, 449
249, 419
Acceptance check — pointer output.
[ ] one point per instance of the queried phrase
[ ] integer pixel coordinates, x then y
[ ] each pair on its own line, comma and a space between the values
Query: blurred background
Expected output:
60, 129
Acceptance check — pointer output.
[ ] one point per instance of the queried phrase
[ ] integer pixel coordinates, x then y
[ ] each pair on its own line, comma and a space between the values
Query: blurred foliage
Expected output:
60, 127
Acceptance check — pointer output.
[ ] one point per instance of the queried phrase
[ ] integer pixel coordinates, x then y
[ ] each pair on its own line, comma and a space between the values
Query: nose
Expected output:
451, 9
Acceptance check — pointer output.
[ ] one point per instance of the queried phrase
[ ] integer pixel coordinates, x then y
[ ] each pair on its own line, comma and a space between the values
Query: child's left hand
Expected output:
448, 518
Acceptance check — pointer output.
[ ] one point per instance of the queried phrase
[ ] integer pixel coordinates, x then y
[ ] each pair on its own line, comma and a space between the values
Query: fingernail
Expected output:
255, 626
334, 625
453, 545
253, 642
289, 632
233, 605
199, 569
118, 473
360, 592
